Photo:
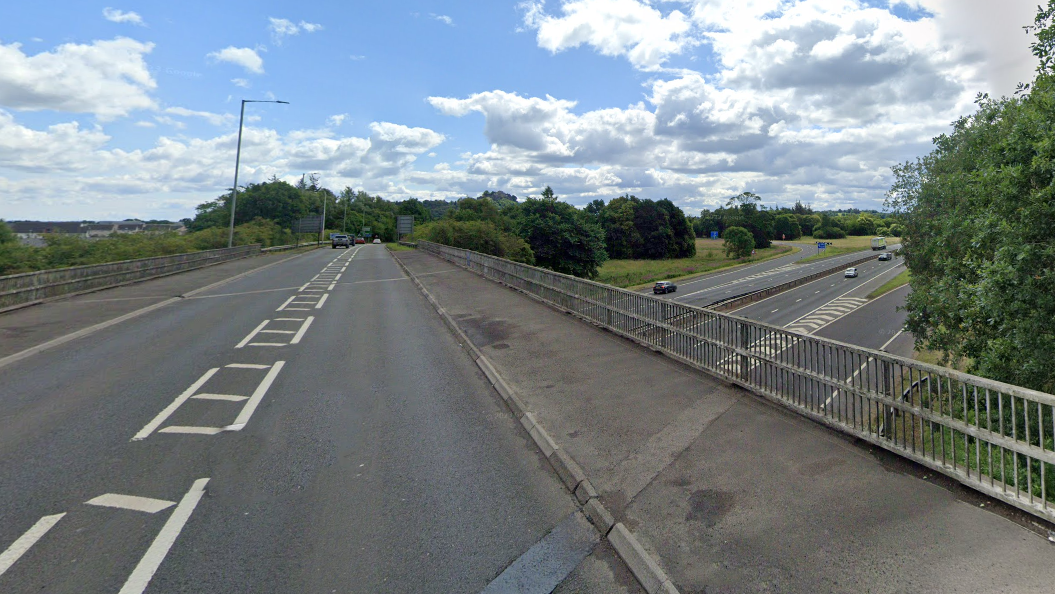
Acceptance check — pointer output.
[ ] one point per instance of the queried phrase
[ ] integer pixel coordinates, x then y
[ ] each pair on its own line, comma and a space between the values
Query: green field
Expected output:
841, 246
710, 255
890, 285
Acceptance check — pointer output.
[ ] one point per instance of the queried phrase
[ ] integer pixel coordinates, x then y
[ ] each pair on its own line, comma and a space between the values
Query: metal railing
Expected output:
994, 437
19, 290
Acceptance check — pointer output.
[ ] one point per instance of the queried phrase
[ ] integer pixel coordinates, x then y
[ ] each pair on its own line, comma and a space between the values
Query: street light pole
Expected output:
237, 159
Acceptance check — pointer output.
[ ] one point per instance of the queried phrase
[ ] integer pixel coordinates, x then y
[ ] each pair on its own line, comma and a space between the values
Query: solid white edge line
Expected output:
151, 561
252, 334
332, 285
887, 343
303, 329
132, 502
254, 400
325, 296
164, 414
338, 277
27, 540
288, 301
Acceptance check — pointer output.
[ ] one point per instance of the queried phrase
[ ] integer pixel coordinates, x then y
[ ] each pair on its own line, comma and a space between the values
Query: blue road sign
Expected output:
714, 235
820, 245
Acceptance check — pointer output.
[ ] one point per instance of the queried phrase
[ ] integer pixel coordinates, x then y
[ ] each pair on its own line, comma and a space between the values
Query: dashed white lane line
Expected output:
254, 400
151, 561
27, 540
303, 329
252, 334
225, 397
133, 502
164, 414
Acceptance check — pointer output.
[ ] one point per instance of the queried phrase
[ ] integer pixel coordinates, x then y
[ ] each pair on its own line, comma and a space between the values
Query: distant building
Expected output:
33, 232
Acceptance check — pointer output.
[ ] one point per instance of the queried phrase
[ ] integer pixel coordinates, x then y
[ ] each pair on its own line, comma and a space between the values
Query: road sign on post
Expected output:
821, 245
714, 235
312, 224
404, 224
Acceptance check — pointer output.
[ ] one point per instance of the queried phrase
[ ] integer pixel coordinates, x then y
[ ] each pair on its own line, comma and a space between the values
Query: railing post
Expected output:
744, 343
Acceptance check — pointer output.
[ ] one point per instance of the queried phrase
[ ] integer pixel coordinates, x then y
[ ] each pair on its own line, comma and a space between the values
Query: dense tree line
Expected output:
979, 214
793, 223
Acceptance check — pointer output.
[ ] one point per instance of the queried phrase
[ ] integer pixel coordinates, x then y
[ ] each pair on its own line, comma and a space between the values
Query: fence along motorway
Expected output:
19, 290
994, 437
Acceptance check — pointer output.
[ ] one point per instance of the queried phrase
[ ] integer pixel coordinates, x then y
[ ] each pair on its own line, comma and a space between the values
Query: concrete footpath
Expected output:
728, 492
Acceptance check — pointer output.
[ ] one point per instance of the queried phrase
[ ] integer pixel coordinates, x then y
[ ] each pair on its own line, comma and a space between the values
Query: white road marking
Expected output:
887, 343
26, 541
251, 365
268, 344
284, 320
303, 329
276, 331
288, 301
325, 296
797, 300
191, 430
338, 277
227, 397
332, 285
135, 503
158, 420
151, 561
251, 334
254, 400
775, 310
298, 309
304, 286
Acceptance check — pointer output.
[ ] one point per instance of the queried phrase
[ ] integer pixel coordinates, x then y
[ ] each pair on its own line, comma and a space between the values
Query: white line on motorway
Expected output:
151, 561
254, 400
251, 334
26, 541
253, 365
133, 502
887, 343
164, 414
325, 296
288, 301
303, 329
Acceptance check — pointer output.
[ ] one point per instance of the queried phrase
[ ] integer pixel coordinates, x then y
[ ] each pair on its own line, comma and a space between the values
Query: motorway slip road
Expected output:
729, 492
310, 427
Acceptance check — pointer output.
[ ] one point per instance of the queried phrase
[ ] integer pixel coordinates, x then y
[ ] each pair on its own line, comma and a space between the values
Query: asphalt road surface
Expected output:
309, 428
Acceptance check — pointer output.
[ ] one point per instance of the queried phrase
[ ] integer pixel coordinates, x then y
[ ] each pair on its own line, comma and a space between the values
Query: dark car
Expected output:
885, 256
337, 239
664, 287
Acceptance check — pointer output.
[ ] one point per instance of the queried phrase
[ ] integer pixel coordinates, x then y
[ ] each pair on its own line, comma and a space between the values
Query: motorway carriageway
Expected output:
707, 289
311, 427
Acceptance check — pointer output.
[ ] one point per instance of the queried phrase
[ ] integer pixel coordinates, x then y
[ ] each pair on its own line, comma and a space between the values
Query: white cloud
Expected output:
241, 56
145, 124
628, 28
357, 57
241, 82
282, 28
216, 119
443, 19
106, 78
336, 120
119, 16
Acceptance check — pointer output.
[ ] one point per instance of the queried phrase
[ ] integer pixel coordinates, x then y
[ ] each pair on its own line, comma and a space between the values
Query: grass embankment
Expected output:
710, 255
396, 247
894, 283
839, 247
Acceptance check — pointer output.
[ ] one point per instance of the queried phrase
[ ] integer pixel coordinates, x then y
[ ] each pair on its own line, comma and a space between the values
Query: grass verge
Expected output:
890, 285
395, 247
839, 247
710, 256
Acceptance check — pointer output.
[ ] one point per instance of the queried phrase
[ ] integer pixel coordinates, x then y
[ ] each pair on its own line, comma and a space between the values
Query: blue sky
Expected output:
117, 111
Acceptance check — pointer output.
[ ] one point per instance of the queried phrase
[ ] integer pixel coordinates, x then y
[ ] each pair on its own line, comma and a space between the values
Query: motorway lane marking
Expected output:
325, 296
283, 320
332, 285
139, 579
797, 300
168, 410
277, 331
775, 310
835, 392
27, 540
887, 343
303, 329
251, 334
338, 277
268, 344
288, 301
227, 397
133, 502
254, 400
191, 430
254, 365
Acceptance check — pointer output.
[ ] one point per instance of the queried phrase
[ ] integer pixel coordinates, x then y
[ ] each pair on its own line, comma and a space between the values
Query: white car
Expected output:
851, 273
377, 240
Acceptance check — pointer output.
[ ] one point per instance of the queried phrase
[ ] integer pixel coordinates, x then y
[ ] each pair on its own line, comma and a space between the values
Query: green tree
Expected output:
979, 221
6, 234
786, 227
738, 242
560, 236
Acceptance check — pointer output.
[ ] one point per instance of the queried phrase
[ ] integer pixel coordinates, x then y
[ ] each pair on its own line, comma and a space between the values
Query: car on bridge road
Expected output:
663, 287
850, 273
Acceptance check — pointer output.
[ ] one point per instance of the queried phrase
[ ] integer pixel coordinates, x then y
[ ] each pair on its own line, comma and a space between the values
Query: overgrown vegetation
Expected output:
979, 214
710, 256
